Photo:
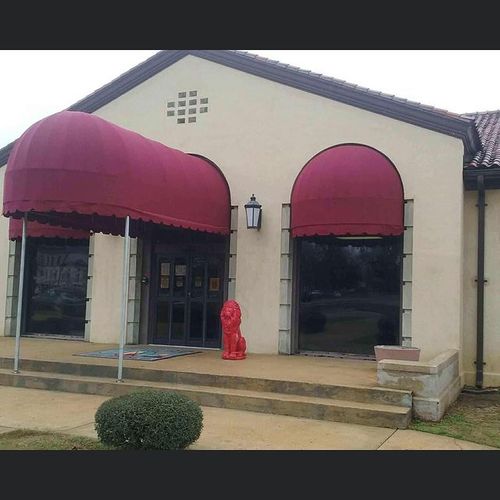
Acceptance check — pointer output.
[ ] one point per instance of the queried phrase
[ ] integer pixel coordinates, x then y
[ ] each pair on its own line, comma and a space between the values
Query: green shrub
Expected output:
149, 420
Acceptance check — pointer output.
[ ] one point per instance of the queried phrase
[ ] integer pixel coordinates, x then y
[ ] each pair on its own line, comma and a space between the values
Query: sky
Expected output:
37, 83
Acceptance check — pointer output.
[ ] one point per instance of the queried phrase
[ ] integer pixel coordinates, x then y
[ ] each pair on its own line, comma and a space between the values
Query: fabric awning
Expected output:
77, 170
348, 190
36, 230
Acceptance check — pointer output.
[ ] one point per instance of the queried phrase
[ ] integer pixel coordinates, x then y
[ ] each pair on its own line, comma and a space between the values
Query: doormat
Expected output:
138, 353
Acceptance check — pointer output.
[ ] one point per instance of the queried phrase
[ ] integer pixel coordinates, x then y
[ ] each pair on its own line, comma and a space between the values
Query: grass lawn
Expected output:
40, 440
474, 417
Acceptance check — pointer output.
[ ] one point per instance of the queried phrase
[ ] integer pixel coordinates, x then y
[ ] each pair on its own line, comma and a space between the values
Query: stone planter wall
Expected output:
435, 384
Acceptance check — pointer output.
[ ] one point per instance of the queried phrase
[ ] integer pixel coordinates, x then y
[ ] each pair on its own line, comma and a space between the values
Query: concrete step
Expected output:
361, 394
318, 408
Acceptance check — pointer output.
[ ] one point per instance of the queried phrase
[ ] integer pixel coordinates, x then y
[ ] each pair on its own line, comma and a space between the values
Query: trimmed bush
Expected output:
149, 420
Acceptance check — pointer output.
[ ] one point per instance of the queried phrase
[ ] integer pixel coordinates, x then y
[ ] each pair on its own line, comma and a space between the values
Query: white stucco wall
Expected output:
261, 133
107, 273
491, 290
4, 257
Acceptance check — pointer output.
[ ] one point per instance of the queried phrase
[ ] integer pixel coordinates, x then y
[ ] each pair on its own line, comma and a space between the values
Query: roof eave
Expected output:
5, 152
128, 80
491, 176
462, 128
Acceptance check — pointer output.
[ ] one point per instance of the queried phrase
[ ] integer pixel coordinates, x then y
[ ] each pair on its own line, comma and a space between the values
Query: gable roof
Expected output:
428, 117
488, 126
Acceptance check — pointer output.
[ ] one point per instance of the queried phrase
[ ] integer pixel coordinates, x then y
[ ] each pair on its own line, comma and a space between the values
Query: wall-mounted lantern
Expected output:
254, 213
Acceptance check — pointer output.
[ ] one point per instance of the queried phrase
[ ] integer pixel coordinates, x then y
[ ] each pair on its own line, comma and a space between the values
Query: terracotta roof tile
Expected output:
488, 127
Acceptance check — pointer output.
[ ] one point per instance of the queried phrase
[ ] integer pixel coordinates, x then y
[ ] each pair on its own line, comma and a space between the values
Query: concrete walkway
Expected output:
223, 429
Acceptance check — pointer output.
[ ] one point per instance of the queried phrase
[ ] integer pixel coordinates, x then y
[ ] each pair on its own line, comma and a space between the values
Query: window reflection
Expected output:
57, 286
349, 294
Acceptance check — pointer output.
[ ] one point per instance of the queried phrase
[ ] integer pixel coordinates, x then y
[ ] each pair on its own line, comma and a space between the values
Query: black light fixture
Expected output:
254, 213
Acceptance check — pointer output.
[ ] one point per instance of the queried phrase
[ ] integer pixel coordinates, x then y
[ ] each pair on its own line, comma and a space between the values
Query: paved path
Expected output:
223, 429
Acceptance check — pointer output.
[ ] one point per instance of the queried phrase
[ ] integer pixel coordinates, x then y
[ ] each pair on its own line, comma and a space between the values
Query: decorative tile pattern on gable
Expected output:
177, 106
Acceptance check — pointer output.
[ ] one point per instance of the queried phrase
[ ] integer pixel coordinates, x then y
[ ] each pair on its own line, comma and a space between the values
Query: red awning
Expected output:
347, 190
37, 230
77, 170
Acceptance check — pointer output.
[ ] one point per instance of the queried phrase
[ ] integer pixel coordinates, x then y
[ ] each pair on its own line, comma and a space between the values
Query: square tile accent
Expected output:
177, 107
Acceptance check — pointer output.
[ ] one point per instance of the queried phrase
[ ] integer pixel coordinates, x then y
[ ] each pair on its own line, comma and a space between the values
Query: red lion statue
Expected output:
235, 345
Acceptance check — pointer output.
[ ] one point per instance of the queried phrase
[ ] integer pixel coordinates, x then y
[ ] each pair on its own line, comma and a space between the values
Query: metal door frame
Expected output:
189, 254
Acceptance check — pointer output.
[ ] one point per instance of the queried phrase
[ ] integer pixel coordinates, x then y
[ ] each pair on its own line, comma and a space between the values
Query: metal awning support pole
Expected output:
126, 270
20, 297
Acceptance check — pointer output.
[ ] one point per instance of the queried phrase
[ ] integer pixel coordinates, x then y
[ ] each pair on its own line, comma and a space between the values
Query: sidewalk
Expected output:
223, 429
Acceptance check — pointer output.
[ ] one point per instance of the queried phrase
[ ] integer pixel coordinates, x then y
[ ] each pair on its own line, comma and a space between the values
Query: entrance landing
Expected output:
341, 390
297, 368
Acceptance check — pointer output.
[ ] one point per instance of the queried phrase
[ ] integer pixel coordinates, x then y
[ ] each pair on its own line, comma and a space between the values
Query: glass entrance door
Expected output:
188, 297
349, 294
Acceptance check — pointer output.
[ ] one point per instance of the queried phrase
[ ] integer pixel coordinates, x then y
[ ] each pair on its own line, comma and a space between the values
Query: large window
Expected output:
56, 286
349, 293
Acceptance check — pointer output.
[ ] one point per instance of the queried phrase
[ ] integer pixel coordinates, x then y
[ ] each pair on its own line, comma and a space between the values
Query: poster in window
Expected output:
180, 270
165, 269
165, 282
213, 285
